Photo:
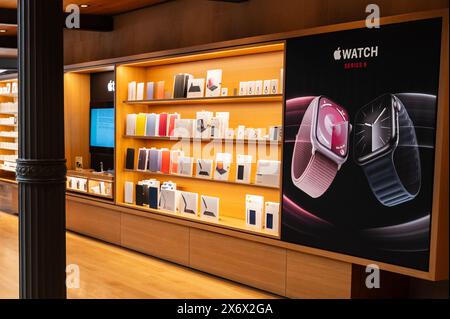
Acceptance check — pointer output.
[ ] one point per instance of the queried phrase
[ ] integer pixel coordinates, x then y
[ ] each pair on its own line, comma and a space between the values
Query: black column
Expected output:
41, 168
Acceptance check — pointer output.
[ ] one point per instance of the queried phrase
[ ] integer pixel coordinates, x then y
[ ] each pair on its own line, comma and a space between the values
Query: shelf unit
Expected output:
224, 221
213, 100
260, 62
212, 180
7, 173
202, 140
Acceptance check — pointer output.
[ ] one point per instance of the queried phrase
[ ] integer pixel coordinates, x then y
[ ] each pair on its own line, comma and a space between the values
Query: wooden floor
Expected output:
107, 271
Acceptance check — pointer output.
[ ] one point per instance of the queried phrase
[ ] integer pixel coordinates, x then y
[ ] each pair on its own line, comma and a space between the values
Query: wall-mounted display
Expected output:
194, 139
360, 126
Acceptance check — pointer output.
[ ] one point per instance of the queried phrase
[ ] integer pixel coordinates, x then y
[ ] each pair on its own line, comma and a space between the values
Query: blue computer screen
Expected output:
102, 127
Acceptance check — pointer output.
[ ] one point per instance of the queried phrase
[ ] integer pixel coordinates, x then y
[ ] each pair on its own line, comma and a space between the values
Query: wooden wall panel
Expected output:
177, 24
313, 277
76, 117
98, 222
9, 202
164, 240
258, 265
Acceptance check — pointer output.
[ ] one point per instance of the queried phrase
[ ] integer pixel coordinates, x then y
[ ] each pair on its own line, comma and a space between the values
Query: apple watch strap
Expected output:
396, 177
422, 111
311, 172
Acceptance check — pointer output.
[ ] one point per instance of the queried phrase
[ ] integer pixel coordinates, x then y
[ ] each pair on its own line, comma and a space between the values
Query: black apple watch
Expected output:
386, 147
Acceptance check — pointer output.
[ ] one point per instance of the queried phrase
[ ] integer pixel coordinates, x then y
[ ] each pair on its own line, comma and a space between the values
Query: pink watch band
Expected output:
311, 172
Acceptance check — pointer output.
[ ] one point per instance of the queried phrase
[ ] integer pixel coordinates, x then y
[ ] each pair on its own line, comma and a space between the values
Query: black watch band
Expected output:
395, 178
422, 112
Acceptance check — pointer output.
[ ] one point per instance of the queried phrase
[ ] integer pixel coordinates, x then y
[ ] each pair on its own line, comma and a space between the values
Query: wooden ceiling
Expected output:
102, 7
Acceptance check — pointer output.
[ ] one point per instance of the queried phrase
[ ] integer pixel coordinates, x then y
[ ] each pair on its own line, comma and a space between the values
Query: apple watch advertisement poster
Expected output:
359, 141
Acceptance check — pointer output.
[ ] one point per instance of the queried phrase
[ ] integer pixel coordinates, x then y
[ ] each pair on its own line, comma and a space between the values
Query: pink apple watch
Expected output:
321, 144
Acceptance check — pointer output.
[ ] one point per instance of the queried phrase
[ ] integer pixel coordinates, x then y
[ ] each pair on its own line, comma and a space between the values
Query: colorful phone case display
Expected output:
359, 141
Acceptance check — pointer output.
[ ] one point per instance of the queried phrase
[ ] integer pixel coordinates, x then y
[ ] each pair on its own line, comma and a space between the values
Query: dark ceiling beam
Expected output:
89, 22
8, 16
8, 63
8, 42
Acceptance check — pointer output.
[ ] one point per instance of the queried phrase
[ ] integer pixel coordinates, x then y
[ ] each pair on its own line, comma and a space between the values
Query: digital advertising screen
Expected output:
359, 141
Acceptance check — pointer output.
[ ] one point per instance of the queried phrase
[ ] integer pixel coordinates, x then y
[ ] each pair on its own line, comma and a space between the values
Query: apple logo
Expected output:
337, 54
111, 85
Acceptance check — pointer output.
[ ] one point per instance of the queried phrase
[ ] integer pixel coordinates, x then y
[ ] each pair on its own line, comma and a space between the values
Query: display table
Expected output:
91, 183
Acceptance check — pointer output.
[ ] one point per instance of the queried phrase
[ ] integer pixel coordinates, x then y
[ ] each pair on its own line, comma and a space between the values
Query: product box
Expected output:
213, 83
251, 87
243, 88
132, 91
243, 168
174, 160
268, 173
129, 192
185, 166
196, 88
140, 91
258, 87
209, 207
254, 206
168, 200
274, 86
204, 168
203, 125
222, 168
184, 128
266, 87
271, 217
188, 204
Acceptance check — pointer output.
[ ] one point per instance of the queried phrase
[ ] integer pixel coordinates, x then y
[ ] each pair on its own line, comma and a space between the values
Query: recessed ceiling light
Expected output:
3, 30
84, 5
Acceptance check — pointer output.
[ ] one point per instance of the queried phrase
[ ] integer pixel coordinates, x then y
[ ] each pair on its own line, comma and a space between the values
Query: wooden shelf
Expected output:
11, 125
201, 179
7, 169
9, 149
8, 113
213, 100
89, 193
224, 221
193, 139
8, 180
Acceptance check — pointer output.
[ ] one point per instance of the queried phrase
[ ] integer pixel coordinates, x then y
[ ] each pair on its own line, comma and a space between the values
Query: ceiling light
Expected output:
3, 30
84, 5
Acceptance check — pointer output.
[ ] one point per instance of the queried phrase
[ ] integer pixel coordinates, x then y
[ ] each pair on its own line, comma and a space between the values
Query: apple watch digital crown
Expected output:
321, 145
385, 146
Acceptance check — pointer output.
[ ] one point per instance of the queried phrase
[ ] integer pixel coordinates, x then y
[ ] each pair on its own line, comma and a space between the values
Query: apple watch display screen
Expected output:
332, 127
374, 129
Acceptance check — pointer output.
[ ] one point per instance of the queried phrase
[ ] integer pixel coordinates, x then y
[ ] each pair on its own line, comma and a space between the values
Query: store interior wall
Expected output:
182, 23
